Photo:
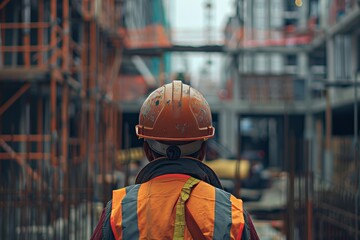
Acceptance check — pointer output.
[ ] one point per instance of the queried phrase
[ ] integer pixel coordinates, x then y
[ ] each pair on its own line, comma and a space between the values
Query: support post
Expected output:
27, 18
53, 10
328, 164
66, 37
53, 130
40, 31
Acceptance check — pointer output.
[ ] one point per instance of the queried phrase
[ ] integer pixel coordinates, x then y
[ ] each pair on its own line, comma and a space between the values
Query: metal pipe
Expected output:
14, 36
53, 130
25, 155
25, 48
128, 160
87, 11
2, 57
354, 69
66, 36
64, 125
27, 19
53, 10
20, 160
14, 97
27, 25
3, 4
39, 148
357, 164
65, 154
39, 138
40, 33
94, 98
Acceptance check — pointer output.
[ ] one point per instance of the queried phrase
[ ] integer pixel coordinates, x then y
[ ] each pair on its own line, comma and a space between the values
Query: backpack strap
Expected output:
180, 220
191, 224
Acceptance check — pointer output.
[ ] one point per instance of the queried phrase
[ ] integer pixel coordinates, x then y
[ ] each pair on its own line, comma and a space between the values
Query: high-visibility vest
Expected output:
152, 210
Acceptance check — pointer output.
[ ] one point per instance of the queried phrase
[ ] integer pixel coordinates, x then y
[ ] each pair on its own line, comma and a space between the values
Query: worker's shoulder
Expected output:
126, 190
205, 187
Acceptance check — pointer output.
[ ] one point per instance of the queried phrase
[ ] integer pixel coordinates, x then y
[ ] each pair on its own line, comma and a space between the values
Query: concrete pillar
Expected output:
228, 119
318, 148
324, 6
235, 66
304, 73
228, 123
354, 55
273, 143
303, 14
328, 154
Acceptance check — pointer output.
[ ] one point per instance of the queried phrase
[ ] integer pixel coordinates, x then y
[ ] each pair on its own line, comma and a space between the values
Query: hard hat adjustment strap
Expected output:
186, 149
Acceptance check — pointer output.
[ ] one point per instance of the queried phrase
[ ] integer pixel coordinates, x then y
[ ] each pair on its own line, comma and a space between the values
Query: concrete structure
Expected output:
322, 54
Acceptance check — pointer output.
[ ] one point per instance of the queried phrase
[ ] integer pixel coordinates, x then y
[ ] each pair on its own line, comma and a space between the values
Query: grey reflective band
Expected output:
186, 149
130, 228
223, 215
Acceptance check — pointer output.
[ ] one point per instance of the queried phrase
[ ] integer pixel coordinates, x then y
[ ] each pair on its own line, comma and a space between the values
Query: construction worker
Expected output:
175, 195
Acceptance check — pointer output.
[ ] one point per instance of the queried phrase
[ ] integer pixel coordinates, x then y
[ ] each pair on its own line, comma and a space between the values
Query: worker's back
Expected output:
175, 122
148, 211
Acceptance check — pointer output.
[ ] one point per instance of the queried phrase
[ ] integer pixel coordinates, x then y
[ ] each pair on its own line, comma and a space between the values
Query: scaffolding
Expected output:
59, 123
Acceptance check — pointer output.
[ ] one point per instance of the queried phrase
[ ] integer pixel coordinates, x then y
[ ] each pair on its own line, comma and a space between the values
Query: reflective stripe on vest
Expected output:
148, 211
223, 220
130, 228
124, 204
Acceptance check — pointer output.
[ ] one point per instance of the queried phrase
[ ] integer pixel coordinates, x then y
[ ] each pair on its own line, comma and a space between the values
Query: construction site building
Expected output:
73, 75
296, 65
62, 75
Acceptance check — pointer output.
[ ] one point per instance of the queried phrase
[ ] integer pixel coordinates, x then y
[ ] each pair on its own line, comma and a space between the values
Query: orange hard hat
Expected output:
175, 112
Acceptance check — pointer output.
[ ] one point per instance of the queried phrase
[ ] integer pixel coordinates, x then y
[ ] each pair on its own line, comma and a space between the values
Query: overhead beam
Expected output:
157, 51
22, 74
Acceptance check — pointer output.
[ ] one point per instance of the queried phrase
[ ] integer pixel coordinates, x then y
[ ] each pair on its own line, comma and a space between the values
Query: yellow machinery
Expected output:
224, 168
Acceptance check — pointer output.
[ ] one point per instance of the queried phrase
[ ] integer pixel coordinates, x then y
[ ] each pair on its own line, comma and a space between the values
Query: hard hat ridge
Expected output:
175, 112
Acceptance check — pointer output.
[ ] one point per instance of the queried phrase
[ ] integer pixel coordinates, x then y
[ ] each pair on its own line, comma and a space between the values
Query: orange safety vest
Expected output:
153, 210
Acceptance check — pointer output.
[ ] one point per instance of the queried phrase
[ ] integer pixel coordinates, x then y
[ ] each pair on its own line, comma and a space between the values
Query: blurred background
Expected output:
281, 77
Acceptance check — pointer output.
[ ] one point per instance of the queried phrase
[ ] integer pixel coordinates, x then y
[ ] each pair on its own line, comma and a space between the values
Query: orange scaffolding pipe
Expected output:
53, 31
25, 156
25, 48
20, 160
13, 98
27, 137
40, 30
66, 38
53, 119
3, 4
22, 25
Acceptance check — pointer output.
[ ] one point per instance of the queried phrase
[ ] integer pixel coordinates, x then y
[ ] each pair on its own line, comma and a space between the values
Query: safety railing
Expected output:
26, 54
267, 88
197, 36
29, 141
334, 210
251, 37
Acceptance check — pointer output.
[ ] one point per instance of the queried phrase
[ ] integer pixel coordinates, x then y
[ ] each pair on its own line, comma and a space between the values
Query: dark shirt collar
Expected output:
188, 166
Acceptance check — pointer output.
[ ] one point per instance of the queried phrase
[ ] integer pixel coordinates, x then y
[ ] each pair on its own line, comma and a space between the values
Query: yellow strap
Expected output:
180, 222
